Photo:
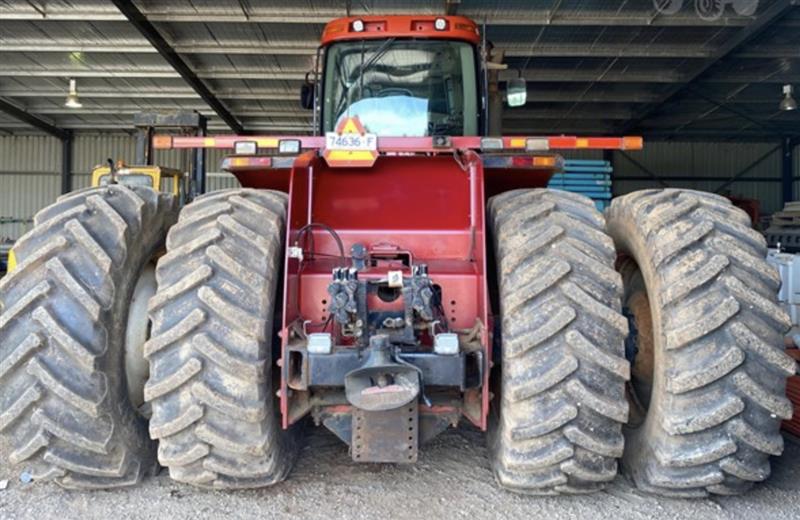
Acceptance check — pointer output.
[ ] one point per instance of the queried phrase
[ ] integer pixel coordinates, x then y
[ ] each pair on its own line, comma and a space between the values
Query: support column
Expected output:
495, 96
199, 160
495, 109
66, 162
787, 169
144, 146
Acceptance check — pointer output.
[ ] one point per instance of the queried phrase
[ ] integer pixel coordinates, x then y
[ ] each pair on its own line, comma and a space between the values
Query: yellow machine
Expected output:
167, 180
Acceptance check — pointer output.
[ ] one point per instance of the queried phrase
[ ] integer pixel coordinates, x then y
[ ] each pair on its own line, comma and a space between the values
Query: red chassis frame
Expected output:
420, 200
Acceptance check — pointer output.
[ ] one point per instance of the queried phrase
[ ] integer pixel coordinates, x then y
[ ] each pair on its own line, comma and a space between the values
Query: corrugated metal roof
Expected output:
576, 55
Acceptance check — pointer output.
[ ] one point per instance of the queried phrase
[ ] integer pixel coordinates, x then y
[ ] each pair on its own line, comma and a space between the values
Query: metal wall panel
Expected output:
221, 181
30, 153
21, 196
702, 159
30, 166
796, 172
30, 169
29, 179
594, 155
90, 150
699, 159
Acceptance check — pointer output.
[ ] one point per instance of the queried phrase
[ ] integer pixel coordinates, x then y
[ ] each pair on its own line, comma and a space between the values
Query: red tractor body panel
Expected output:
405, 211
401, 26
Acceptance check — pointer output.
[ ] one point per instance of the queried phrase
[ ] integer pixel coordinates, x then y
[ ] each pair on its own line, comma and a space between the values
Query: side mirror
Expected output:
516, 92
307, 96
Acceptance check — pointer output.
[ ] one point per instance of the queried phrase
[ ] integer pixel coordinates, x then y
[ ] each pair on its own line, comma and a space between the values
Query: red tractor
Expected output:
395, 274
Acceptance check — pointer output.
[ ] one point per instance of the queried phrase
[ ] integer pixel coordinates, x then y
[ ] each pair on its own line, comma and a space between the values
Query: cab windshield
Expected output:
129, 179
402, 88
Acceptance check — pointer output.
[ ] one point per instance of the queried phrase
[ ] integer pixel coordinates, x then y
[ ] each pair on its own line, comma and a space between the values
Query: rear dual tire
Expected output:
67, 404
63, 311
214, 409
710, 372
559, 396
708, 377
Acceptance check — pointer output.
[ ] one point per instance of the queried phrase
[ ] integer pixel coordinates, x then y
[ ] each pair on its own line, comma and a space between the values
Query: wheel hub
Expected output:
137, 331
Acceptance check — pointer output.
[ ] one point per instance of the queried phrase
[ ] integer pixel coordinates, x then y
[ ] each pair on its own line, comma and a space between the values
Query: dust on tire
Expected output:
719, 371
556, 425
210, 352
63, 312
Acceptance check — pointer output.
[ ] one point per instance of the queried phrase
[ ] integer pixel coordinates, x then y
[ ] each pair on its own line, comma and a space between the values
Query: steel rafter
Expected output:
774, 13
32, 120
148, 30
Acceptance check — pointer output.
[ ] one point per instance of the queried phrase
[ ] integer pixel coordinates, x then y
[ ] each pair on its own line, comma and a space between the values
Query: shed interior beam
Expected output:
542, 17
148, 30
511, 49
32, 120
763, 21
531, 74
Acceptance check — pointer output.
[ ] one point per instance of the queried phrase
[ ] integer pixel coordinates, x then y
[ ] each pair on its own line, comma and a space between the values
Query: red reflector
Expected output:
536, 161
521, 161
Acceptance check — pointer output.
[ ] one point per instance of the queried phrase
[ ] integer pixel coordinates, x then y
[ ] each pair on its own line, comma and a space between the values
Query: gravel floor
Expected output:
451, 480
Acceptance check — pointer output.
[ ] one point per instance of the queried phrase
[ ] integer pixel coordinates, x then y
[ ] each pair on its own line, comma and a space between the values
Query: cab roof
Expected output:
401, 26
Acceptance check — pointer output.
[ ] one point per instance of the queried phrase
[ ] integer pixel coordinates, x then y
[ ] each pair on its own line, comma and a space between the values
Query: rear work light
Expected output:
491, 143
289, 146
358, 25
441, 141
440, 24
245, 148
537, 144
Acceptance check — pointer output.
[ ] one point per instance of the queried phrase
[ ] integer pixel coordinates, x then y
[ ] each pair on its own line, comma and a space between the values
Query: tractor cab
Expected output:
402, 87
402, 76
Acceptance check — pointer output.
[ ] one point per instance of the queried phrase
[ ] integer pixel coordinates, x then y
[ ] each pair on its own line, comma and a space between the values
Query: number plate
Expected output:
351, 142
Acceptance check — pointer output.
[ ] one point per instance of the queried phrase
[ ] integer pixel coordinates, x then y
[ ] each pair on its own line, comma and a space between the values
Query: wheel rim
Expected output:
639, 347
137, 331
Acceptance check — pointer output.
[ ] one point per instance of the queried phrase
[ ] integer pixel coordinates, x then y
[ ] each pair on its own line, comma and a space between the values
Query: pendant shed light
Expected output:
788, 103
72, 98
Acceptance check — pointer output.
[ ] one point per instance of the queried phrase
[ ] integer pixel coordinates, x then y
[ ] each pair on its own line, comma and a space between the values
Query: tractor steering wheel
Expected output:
394, 91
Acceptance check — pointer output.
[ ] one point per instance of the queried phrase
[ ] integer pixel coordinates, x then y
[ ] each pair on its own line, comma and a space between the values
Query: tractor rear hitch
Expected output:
383, 388
382, 383
385, 355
